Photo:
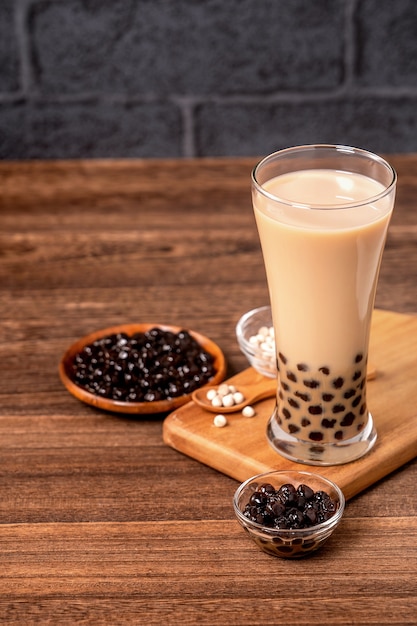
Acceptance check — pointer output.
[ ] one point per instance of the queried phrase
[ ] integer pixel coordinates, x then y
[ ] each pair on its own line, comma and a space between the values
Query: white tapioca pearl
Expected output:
212, 393
238, 397
219, 421
228, 400
223, 390
217, 401
248, 411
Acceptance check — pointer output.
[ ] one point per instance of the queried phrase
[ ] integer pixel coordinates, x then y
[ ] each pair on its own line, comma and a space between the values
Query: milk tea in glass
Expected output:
322, 213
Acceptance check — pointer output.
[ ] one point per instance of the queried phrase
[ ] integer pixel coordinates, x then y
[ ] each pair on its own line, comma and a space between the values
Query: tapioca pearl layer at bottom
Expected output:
322, 405
294, 548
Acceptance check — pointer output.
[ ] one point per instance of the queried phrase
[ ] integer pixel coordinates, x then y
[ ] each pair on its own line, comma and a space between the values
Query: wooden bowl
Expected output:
108, 404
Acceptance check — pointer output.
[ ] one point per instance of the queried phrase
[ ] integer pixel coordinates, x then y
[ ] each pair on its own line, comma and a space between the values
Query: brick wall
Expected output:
169, 78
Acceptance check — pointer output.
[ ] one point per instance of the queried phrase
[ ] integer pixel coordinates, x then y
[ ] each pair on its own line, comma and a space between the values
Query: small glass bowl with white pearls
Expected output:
255, 335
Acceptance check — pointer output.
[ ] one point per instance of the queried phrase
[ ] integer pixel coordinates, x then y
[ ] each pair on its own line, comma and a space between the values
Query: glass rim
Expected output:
340, 148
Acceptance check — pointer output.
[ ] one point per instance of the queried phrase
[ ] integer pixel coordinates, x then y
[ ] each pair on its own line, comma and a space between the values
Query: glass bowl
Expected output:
285, 542
249, 325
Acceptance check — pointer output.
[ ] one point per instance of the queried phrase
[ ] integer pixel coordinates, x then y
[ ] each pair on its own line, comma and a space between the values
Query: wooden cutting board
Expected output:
241, 449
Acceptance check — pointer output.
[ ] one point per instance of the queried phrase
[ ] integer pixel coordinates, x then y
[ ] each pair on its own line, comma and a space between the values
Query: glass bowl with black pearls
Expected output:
254, 332
289, 513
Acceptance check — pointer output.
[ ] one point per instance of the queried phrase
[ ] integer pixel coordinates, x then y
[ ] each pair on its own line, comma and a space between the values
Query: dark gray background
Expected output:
184, 78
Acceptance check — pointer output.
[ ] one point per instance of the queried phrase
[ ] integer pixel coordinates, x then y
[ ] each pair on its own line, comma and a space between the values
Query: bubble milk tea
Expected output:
322, 263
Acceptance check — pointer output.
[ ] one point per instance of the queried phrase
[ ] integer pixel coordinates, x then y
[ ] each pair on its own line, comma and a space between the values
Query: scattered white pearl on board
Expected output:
220, 421
248, 411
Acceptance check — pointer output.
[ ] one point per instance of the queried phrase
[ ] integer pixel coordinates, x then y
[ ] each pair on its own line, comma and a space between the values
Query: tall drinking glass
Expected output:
322, 213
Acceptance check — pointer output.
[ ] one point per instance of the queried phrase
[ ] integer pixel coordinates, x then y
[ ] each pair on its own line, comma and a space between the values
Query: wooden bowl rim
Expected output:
137, 408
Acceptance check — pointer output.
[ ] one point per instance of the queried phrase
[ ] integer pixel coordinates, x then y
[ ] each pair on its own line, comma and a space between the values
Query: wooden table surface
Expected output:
101, 523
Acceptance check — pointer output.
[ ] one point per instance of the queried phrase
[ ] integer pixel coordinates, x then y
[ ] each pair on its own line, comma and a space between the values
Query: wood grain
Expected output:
155, 570
103, 523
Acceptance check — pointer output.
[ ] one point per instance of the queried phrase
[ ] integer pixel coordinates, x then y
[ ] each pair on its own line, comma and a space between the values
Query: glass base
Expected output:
321, 453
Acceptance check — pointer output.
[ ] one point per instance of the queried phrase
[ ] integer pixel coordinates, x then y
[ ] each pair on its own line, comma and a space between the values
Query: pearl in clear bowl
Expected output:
261, 359
287, 542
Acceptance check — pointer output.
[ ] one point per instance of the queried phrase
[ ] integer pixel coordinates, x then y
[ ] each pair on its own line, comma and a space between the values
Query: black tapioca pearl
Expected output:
316, 435
303, 396
363, 382
302, 367
293, 428
298, 542
348, 419
305, 422
280, 394
356, 375
327, 397
324, 370
360, 427
338, 382
291, 376
282, 357
338, 408
277, 540
362, 410
356, 401
326, 423
339, 435
358, 357
316, 450
293, 403
315, 409
285, 549
311, 383
286, 413
285, 386
349, 393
